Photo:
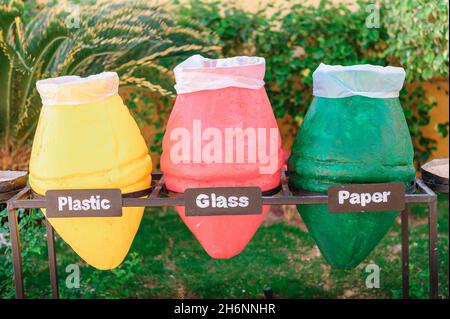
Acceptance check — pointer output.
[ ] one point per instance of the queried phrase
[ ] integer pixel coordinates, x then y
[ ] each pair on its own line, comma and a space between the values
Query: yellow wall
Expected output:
440, 114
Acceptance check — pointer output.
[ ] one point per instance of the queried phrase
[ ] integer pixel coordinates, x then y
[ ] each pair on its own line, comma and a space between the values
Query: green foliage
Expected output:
418, 36
137, 40
32, 231
443, 129
230, 28
295, 40
307, 36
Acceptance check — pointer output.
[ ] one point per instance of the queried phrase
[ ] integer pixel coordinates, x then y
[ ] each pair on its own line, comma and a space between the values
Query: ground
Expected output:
166, 261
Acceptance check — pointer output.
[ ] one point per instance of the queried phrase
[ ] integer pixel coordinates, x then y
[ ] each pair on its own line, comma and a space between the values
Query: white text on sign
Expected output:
375, 197
92, 203
205, 201
363, 198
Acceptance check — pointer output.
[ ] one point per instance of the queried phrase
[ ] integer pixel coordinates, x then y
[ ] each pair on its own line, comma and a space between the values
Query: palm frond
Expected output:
138, 40
8, 15
145, 84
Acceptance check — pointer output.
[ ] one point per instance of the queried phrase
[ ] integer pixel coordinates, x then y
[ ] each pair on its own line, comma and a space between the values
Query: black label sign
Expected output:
84, 203
366, 197
223, 201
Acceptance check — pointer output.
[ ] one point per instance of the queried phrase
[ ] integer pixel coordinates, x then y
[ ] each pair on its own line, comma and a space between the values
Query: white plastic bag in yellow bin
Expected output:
86, 138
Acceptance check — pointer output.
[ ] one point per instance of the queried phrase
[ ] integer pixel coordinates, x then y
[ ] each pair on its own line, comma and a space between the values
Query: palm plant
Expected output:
137, 40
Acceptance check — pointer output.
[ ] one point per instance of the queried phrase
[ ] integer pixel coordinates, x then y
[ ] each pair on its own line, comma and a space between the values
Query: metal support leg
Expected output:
405, 253
52, 259
15, 247
433, 249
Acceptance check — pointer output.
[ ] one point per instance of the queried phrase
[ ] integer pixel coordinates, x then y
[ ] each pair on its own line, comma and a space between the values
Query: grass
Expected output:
166, 261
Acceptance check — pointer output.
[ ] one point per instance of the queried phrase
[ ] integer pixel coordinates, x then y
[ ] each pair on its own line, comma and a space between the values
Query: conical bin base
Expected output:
345, 239
102, 242
223, 236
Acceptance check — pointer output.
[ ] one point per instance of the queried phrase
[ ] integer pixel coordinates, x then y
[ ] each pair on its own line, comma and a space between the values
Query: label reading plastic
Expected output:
83, 203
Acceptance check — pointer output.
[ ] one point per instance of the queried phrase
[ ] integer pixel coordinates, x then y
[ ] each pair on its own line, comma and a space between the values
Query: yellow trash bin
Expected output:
86, 138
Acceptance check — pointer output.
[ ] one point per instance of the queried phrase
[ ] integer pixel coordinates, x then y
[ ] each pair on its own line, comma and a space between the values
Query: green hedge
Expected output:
295, 40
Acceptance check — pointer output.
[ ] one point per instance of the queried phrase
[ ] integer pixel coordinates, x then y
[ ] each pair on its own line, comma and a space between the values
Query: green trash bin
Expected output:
354, 132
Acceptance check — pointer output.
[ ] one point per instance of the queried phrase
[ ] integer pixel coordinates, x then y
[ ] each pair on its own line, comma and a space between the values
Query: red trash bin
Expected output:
222, 133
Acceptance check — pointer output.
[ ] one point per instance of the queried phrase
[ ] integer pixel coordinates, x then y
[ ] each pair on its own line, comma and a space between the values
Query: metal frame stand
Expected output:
24, 199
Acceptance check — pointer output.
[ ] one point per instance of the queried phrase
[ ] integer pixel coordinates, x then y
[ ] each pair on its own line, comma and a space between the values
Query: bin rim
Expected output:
74, 89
